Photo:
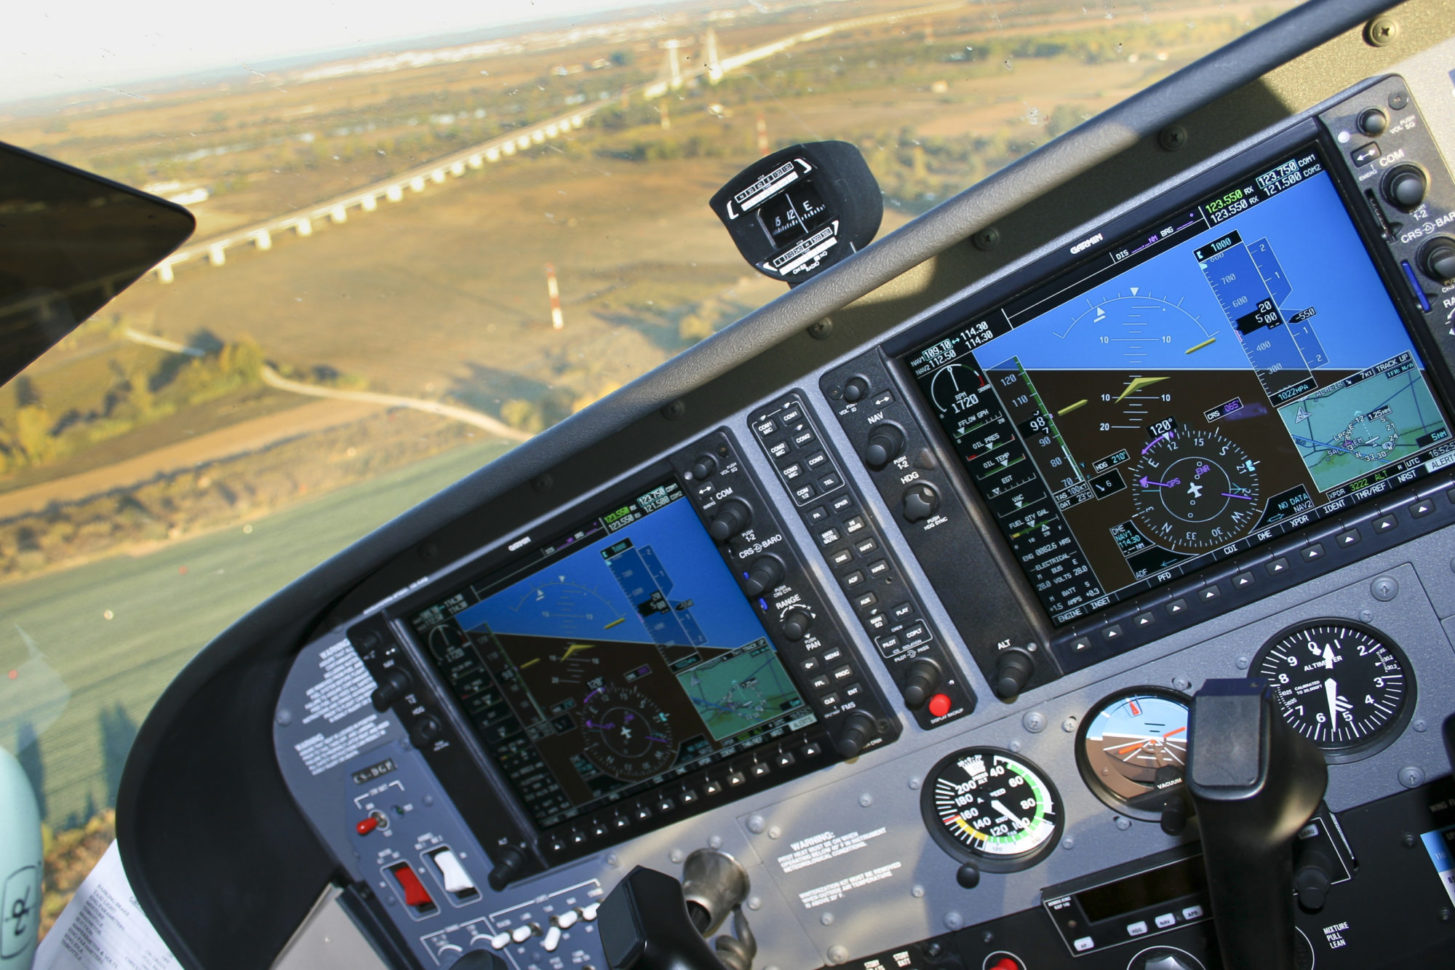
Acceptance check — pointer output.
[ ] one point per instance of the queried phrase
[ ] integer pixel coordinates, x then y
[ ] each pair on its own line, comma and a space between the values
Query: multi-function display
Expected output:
615, 657
1234, 371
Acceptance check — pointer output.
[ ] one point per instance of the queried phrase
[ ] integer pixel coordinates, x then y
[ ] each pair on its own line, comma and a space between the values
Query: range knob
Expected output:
1013, 668
426, 730
395, 683
1437, 259
703, 466
921, 682
733, 516
886, 443
1405, 187
796, 624
920, 502
764, 573
859, 729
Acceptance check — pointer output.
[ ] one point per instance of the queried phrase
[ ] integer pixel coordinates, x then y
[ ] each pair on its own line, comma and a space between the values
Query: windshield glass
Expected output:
421, 241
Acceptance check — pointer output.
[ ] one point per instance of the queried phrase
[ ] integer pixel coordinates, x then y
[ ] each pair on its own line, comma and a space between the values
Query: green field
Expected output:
164, 607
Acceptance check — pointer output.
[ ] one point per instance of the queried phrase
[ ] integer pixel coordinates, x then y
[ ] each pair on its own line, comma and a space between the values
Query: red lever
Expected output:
414, 892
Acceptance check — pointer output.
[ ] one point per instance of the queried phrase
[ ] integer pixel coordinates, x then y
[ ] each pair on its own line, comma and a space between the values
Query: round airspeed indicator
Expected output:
992, 808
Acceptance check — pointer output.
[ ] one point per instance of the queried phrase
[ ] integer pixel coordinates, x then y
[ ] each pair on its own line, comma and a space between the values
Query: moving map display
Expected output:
1234, 370
617, 654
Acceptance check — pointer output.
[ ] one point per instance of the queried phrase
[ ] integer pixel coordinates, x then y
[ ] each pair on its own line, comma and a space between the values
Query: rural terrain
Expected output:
214, 432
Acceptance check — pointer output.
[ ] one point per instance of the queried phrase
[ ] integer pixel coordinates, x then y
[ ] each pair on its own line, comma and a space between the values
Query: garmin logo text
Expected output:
518, 544
1086, 244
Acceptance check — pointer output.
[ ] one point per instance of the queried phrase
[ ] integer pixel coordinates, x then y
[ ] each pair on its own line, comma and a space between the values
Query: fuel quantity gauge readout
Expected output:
991, 808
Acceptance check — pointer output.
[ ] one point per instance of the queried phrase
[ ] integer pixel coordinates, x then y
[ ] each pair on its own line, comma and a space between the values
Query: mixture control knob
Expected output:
765, 573
1013, 668
732, 517
393, 685
1405, 187
859, 729
796, 624
921, 682
509, 865
886, 443
921, 501
1312, 878
1437, 259
703, 466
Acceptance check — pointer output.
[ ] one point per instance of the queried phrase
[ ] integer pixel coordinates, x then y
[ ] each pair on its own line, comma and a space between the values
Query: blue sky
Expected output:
55, 46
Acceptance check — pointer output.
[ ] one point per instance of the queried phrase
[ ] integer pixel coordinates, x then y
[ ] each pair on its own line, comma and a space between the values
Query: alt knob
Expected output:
1404, 187
732, 517
511, 861
859, 729
393, 685
886, 443
921, 682
765, 573
1437, 259
1013, 668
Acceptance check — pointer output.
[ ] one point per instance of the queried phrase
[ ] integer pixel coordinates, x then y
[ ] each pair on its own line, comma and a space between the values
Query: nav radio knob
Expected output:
886, 443
733, 516
764, 573
1437, 259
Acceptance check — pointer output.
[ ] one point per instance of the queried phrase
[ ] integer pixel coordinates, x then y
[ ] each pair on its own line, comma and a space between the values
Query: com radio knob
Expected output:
1404, 187
733, 516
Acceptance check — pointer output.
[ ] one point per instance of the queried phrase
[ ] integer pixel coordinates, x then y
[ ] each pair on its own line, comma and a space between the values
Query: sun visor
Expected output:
69, 242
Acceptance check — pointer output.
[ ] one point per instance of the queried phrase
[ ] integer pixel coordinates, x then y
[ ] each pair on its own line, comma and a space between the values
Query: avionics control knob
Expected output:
1312, 877
921, 501
855, 388
886, 443
764, 573
393, 685
732, 517
859, 729
1405, 187
796, 624
426, 730
703, 466
512, 861
1437, 259
921, 682
1013, 668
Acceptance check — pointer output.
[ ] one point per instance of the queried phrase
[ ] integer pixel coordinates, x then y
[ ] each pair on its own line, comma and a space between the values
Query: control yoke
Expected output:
645, 925
1255, 783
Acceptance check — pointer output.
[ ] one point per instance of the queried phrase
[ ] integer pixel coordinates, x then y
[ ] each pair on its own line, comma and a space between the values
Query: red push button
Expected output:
940, 704
414, 892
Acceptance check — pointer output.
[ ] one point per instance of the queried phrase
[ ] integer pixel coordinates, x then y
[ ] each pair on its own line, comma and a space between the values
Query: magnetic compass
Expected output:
992, 808
625, 733
1132, 750
1195, 490
1343, 685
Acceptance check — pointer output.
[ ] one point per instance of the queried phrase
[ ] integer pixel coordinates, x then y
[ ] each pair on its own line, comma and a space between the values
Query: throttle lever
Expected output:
1255, 783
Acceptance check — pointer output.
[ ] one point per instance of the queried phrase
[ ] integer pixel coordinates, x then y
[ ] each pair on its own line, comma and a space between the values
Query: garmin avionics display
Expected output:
1236, 370
617, 655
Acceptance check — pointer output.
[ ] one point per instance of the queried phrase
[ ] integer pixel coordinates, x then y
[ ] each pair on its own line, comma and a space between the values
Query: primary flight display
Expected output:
1234, 369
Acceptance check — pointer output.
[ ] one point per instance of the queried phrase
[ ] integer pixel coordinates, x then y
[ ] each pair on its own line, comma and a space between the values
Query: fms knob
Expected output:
732, 517
1437, 259
859, 729
1013, 668
886, 443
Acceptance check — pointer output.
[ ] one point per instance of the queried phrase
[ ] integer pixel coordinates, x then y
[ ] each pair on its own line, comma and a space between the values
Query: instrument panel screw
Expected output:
1034, 722
914, 782
1123, 823
1420, 725
676, 856
774, 832
1381, 31
1182, 683
986, 239
953, 920
865, 800
613, 860
838, 953
1366, 615
917, 891
1069, 725
821, 329
1172, 138
674, 410
1411, 776
1242, 663
284, 717
715, 842
755, 903
1384, 588
827, 919
756, 824
1068, 843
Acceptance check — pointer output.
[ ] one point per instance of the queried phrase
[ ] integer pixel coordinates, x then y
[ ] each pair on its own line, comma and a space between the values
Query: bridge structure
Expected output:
678, 71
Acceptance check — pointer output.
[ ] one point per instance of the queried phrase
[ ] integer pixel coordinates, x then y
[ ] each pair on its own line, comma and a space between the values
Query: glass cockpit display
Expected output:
618, 654
1235, 370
